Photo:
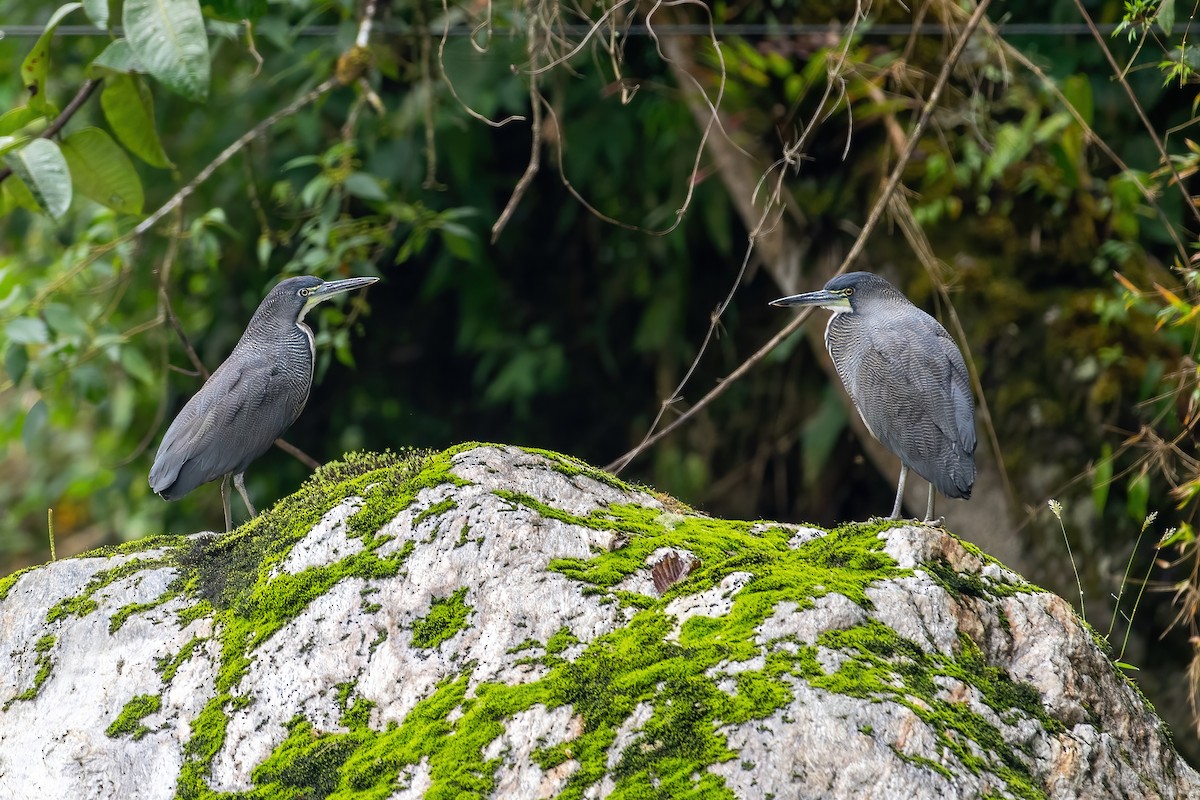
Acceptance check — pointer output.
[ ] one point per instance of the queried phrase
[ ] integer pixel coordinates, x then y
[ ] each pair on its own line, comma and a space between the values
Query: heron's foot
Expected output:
934, 523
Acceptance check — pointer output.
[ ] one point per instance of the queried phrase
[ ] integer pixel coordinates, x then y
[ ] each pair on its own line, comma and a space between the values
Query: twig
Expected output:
855, 250
1137, 106
230, 151
81, 97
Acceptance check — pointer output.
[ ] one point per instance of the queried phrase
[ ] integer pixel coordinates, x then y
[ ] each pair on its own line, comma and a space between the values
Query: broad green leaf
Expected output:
236, 10
15, 194
36, 65
64, 321
27, 330
101, 170
1166, 16
1078, 91
97, 12
168, 37
129, 108
11, 143
35, 423
118, 57
40, 164
360, 184
13, 120
136, 365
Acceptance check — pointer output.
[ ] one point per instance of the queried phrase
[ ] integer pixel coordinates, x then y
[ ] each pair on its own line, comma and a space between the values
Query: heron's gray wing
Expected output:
915, 399
241, 409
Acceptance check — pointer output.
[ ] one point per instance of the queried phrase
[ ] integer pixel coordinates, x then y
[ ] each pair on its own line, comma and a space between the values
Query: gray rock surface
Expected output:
483, 623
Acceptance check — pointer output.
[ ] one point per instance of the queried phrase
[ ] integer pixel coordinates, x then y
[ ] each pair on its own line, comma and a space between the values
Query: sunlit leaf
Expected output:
1166, 16
129, 108
360, 184
35, 423
136, 365
36, 65
11, 143
168, 36
101, 171
40, 164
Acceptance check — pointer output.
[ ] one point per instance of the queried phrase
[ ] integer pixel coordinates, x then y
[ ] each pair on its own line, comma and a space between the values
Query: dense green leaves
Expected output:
41, 167
129, 108
118, 57
168, 37
101, 170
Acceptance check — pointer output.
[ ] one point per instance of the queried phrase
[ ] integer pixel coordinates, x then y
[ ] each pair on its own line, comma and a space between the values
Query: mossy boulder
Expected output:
493, 621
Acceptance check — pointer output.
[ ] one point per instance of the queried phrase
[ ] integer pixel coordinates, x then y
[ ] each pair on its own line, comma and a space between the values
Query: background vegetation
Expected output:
579, 212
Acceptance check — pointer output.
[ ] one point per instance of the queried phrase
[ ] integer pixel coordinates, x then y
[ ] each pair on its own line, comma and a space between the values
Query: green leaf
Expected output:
360, 184
1166, 16
129, 108
36, 65
40, 164
136, 365
15, 119
63, 320
168, 36
1138, 496
97, 12
101, 170
16, 194
27, 330
15, 361
11, 143
118, 57
237, 10
35, 423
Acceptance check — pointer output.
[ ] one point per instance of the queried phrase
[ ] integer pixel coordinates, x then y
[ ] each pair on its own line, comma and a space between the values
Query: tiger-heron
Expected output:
252, 398
906, 377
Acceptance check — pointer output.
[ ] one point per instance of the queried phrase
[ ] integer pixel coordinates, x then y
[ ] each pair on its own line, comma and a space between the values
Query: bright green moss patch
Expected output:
447, 616
83, 604
883, 666
129, 721
8, 581
167, 666
440, 507
45, 665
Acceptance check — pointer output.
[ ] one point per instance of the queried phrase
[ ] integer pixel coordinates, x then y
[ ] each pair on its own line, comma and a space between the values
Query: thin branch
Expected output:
81, 97
1137, 106
856, 249
232, 150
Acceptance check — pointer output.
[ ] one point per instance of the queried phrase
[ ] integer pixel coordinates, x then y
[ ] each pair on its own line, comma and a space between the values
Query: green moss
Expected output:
572, 467
8, 581
83, 604
447, 616
45, 666
129, 721
439, 507
167, 666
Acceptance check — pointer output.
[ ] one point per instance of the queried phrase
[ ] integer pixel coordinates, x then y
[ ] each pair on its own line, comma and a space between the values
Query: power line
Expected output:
750, 30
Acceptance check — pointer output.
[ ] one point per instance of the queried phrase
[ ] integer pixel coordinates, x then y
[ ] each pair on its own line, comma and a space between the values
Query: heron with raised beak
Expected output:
251, 399
906, 377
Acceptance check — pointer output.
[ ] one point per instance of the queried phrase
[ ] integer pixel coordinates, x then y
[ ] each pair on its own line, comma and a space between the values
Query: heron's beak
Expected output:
330, 288
822, 298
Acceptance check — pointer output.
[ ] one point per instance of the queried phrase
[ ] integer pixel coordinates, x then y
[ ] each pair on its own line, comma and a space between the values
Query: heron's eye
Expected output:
305, 292
849, 290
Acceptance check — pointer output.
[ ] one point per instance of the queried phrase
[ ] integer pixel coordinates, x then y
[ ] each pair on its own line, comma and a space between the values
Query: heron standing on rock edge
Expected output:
252, 398
907, 379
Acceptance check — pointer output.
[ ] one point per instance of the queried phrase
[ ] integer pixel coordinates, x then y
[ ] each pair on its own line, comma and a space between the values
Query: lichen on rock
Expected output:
482, 622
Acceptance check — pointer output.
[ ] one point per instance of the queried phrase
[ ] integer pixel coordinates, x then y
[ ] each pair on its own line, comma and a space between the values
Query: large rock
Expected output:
485, 622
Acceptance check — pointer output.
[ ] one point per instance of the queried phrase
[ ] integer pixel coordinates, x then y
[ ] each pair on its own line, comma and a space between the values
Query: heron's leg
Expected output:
239, 481
929, 508
899, 492
225, 503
